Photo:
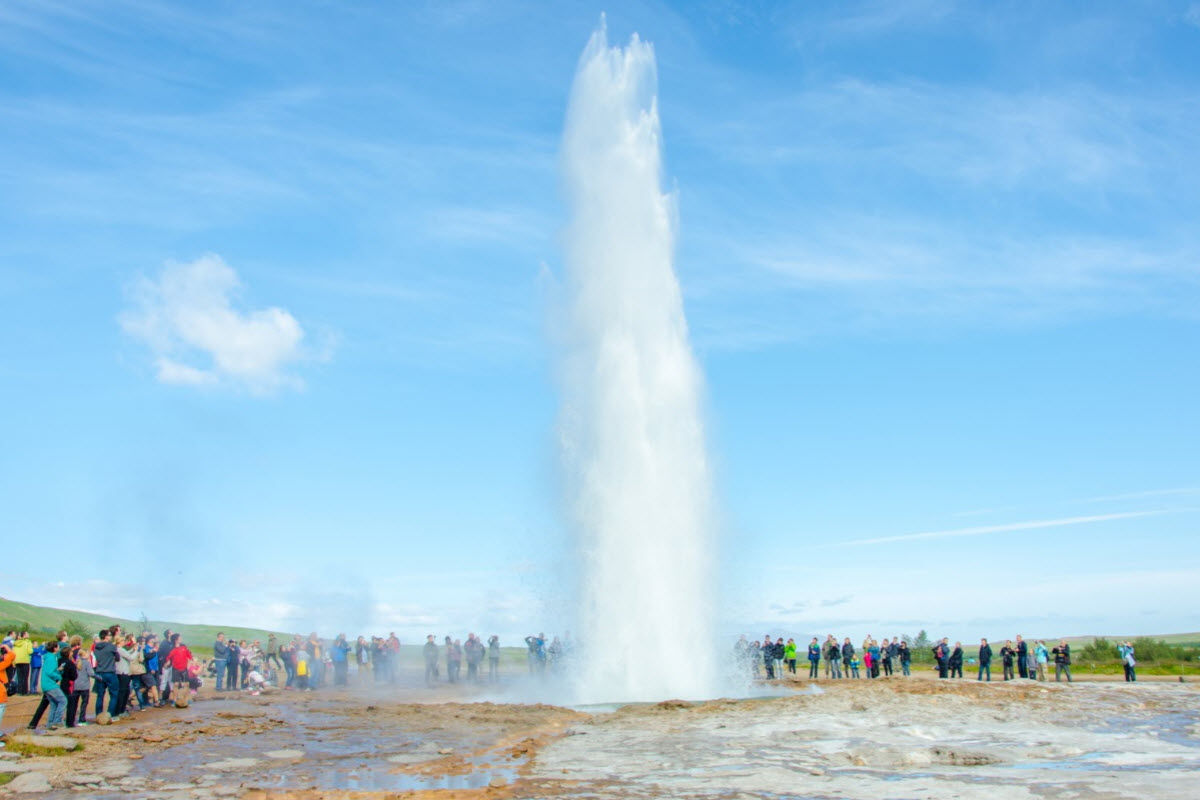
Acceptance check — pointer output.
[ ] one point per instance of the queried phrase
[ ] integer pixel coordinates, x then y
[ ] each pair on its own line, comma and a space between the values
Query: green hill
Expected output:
40, 619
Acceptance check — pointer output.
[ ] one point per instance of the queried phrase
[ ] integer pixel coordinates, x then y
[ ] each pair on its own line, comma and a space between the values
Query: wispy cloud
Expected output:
1182, 492
987, 529
197, 337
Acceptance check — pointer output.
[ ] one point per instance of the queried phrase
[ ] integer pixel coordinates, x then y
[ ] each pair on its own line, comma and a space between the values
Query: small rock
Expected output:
497, 782
225, 790
104, 718
445, 751
29, 783
284, 754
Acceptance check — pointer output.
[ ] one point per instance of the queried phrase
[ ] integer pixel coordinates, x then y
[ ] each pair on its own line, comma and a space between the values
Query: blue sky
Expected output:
277, 283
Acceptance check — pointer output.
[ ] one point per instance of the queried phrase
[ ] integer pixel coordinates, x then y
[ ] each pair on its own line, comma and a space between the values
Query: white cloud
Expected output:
986, 529
188, 319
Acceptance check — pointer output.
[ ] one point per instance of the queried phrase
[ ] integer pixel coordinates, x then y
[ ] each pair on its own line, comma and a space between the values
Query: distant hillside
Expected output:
50, 620
1181, 639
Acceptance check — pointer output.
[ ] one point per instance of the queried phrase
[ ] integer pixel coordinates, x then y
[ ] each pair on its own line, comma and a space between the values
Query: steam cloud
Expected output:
633, 438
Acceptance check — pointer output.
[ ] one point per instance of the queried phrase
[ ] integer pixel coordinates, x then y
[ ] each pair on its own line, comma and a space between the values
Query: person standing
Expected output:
941, 653
814, 659
36, 652
273, 651
494, 658
956, 661
77, 700
1043, 657
475, 653
234, 662
847, 657
905, 656
1128, 662
985, 660
1007, 654
886, 654
164, 665
1062, 661
105, 653
221, 660
430, 652
22, 649
393, 662
340, 653
833, 657
52, 692
789, 656
1022, 656
181, 660
7, 659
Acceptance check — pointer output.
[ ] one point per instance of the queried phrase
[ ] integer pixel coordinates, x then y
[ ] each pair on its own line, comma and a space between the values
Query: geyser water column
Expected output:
633, 437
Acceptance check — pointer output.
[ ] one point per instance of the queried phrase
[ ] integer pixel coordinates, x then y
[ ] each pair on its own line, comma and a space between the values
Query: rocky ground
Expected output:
894, 738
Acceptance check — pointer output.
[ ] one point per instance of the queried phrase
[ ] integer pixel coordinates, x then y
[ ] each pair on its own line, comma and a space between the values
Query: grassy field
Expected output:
43, 620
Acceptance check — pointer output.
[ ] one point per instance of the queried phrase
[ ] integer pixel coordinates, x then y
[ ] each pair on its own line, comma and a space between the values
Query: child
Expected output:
255, 681
854, 667
81, 689
301, 669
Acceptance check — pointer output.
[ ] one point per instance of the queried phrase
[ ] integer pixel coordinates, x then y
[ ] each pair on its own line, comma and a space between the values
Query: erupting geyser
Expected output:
633, 437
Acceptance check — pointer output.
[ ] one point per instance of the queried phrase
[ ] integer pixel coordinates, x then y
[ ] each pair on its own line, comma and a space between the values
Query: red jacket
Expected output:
179, 658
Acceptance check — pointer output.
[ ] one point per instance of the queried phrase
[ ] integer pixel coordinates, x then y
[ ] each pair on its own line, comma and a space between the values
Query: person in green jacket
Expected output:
789, 655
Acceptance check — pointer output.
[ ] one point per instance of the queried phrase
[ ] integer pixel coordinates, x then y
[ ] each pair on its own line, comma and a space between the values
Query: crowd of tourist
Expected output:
770, 658
118, 673
124, 672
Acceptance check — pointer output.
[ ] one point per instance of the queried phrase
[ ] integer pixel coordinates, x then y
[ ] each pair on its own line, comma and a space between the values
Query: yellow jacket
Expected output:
22, 649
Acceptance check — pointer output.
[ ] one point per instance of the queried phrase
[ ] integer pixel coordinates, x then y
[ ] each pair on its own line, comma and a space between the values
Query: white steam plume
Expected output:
633, 437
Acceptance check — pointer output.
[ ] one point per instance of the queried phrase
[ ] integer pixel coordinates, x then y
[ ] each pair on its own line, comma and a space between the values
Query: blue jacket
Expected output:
814, 652
338, 652
35, 656
50, 674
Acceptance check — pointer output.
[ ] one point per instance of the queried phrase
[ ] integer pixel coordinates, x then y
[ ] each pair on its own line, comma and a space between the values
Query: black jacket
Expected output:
956, 658
985, 654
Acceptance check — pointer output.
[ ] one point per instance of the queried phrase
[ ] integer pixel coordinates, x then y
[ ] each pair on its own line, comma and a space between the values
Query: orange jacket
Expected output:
5, 663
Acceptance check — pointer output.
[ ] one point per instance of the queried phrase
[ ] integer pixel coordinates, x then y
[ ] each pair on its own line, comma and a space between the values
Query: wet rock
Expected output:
961, 758
445, 751
673, 705
83, 779
29, 783
231, 764
284, 754
11, 767
117, 768
65, 742
497, 782
407, 758
226, 791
